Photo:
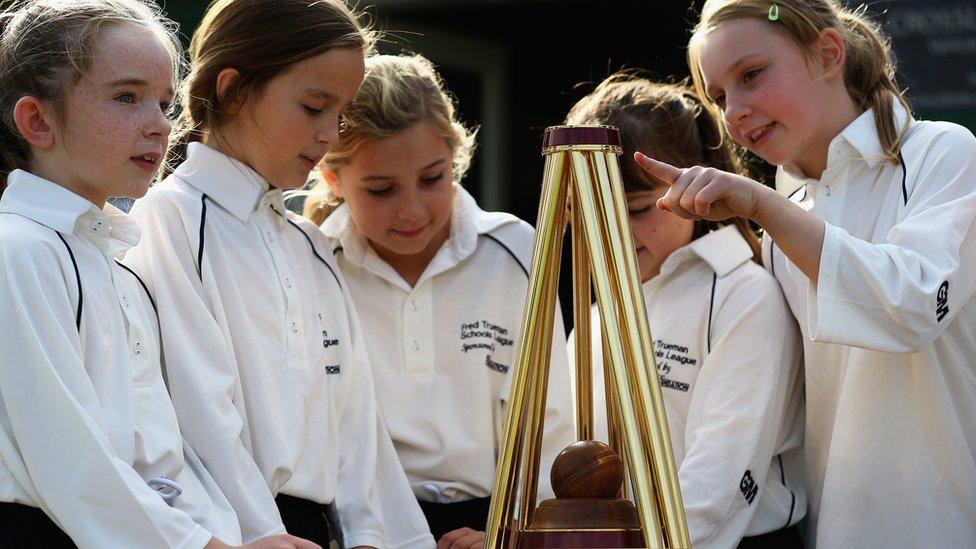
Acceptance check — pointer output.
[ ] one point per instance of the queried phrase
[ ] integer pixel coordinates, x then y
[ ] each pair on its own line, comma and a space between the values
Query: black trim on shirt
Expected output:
310, 245
510, 252
203, 223
141, 283
782, 478
711, 304
904, 177
77, 279
337, 250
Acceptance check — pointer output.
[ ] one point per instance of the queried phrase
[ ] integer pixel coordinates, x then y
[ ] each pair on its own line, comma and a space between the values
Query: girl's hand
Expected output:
462, 538
283, 541
704, 193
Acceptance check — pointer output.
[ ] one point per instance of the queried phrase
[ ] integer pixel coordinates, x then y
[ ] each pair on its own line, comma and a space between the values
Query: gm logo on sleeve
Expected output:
942, 301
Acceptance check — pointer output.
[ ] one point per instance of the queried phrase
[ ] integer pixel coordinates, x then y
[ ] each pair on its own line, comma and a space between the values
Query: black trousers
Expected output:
444, 517
309, 520
787, 538
25, 527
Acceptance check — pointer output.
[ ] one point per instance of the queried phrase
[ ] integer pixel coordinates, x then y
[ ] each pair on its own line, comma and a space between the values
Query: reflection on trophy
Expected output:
582, 187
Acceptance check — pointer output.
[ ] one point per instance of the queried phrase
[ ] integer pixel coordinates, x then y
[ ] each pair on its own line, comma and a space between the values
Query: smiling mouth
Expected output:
411, 233
757, 135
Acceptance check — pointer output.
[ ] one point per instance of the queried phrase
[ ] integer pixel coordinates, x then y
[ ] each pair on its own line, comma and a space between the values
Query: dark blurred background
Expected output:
517, 66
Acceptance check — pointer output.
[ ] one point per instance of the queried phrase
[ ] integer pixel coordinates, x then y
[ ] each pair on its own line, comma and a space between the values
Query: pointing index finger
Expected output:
663, 172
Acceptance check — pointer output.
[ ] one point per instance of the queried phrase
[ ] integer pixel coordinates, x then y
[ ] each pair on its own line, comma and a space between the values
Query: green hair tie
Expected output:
773, 12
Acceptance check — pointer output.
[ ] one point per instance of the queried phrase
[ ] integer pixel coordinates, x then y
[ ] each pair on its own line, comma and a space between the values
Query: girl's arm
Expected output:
54, 439
201, 371
376, 506
895, 295
738, 406
707, 193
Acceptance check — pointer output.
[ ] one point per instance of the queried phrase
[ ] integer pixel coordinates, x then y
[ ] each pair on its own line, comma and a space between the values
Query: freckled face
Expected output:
656, 232
400, 192
114, 130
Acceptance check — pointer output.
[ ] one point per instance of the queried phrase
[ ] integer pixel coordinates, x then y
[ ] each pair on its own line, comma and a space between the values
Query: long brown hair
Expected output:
667, 122
260, 39
869, 72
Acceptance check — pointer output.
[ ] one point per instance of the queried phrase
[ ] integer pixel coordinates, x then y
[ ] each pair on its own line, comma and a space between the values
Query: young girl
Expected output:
872, 240
267, 366
439, 285
733, 400
90, 450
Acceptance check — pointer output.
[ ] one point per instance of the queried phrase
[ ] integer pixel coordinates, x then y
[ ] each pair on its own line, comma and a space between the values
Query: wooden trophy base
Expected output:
583, 524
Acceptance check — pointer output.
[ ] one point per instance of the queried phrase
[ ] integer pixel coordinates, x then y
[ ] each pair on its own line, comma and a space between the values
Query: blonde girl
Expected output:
728, 351
90, 450
439, 284
267, 365
871, 238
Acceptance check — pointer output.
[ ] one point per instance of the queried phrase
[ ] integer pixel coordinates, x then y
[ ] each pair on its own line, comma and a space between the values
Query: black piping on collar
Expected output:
77, 280
311, 245
203, 224
510, 252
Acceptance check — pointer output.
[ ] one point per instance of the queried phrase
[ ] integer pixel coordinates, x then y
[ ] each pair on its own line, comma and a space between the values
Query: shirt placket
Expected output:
417, 319
286, 282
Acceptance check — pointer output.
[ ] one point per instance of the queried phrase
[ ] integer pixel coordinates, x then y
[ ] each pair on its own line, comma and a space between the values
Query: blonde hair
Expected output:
398, 91
260, 39
668, 122
46, 46
869, 72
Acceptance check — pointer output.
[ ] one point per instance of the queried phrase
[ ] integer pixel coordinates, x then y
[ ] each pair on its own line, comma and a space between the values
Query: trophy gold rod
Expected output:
643, 363
549, 231
581, 321
614, 437
539, 359
595, 224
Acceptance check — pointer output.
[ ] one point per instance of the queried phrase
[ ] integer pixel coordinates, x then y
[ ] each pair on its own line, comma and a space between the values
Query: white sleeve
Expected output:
376, 506
201, 371
737, 409
53, 437
898, 295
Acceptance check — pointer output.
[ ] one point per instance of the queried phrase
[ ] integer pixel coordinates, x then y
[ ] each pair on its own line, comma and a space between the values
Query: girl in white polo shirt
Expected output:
872, 239
268, 368
90, 449
727, 349
439, 284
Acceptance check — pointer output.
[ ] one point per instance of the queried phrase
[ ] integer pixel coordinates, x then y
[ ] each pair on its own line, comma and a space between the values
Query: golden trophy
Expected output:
582, 187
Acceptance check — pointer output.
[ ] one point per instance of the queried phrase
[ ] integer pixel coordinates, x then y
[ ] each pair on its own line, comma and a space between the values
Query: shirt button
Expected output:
288, 281
97, 226
137, 348
413, 305
416, 345
827, 190
294, 327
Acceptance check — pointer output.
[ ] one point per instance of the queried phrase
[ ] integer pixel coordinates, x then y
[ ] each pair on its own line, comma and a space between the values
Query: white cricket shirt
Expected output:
728, 355
442, 350
266, 363
85, 420
890, 344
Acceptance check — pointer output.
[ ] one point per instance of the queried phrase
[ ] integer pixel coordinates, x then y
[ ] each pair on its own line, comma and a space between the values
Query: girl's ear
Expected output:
35, 121
831, 51
227, 88
331, 179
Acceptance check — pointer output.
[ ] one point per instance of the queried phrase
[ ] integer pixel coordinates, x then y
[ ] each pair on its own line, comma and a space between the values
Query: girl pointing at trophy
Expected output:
871, 238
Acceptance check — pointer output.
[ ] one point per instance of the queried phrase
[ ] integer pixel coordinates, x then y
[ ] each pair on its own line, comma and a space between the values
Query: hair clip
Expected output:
773, 12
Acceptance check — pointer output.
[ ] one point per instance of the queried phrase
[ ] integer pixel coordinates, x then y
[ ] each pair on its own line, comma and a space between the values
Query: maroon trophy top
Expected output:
562, 136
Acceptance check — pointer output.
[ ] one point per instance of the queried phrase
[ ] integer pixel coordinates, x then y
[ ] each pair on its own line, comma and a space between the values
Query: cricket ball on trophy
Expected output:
587, 469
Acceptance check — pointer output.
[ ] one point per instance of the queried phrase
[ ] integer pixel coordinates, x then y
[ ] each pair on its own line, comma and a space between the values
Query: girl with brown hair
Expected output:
266, 362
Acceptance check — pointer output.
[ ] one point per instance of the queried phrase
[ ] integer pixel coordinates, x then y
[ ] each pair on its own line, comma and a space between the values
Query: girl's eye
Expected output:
750, 74
164, 106
126, 98
380, 192
313, 111
433, 179
638, 211
720, 100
